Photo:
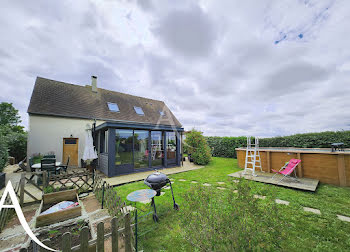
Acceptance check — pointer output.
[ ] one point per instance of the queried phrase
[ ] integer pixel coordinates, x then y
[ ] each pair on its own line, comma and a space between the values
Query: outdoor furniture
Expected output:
64, 167
288, 169
144, 195
337, 146
49, 156
49, 165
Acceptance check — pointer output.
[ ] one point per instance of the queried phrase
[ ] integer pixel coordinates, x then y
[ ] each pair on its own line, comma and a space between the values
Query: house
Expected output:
131, 133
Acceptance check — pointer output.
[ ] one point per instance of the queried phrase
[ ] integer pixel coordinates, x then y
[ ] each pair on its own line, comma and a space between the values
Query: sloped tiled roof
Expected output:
57, 98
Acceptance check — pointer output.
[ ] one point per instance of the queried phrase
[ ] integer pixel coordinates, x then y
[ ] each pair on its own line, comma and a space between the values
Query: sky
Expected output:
227, 68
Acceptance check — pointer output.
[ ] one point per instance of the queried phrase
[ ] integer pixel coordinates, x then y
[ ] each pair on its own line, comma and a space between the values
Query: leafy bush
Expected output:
197, 146
17, 145
225, 146
51, 189
214, 220
3, 152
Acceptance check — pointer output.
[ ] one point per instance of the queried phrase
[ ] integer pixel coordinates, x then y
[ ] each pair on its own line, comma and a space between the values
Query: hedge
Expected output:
3, 152
225, 146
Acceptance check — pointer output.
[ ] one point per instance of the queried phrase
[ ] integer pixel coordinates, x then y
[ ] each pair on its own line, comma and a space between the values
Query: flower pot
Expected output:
2, 180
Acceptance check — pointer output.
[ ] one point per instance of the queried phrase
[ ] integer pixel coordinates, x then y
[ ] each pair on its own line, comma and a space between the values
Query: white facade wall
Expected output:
46, 134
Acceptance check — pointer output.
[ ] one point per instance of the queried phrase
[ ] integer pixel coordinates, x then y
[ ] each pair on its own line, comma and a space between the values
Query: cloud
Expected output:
215, 65
188, 32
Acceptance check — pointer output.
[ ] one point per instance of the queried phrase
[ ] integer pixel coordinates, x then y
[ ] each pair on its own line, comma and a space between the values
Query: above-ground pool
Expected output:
318, 163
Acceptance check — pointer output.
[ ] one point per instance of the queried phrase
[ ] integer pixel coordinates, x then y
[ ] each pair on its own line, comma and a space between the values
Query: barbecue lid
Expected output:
156, 177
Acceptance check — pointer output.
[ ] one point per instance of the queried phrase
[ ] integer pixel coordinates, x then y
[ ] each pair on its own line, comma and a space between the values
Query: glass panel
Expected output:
123, 146
113, 107
171, 147
138, 110
140, 149
157, 148
70, 141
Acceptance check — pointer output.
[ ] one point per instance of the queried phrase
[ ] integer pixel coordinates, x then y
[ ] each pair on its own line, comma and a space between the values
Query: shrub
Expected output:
225, 146
214, 220
3, 152
197, 146
17, 145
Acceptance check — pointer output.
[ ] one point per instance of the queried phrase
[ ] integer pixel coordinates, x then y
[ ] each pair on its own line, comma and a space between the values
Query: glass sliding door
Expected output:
157, 152
141, 151
124, 150
171, 147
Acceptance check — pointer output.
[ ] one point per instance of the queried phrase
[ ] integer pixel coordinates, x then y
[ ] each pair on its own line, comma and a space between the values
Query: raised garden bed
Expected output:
55, 235
50, 199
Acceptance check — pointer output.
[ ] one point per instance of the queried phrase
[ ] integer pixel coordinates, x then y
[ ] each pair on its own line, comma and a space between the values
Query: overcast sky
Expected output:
228, 68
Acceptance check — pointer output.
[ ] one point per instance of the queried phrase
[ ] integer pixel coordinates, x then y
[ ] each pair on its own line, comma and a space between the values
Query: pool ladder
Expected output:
252, 157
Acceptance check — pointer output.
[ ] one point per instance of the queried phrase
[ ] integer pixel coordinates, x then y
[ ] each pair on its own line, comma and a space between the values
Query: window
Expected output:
162, 113
139, 111
113, 107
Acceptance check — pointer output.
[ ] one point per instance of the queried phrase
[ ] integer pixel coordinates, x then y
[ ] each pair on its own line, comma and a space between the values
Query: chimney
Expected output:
94, 83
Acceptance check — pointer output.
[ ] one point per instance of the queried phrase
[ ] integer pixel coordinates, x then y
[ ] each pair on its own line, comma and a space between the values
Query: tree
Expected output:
12, 135
9, 115
197, 146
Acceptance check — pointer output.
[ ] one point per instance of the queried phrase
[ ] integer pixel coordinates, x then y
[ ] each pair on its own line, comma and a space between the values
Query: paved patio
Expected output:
124, 179
306, 184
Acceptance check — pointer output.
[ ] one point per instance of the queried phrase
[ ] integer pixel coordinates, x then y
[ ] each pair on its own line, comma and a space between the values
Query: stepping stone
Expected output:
182, 180
343, 218
206, 184
235, 181
221, 188
235, 191
221, 183
282, 202
162, 193
167, 187
259, 196
194, 182
312, 210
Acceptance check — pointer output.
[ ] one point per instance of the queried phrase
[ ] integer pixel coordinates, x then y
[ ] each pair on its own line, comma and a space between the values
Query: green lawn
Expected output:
307, 231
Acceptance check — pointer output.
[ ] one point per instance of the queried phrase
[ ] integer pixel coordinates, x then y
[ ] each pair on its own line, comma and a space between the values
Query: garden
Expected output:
218, 213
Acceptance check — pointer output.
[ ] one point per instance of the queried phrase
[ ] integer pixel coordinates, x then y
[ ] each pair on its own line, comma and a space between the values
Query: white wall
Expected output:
46, 133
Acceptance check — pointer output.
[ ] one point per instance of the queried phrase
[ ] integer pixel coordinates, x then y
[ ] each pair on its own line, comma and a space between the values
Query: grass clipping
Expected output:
216, 220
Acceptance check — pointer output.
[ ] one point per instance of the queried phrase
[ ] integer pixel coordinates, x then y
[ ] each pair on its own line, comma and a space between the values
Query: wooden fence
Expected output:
98, 244
6, 213
108, 197
82, 180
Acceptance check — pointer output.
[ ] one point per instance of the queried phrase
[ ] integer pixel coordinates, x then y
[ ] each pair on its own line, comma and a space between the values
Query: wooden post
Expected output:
341, 170
300, 166
84, 239
46, 242
268, 161
128, 247
100, 245
21, 192
66, 242
115, 234
45, 179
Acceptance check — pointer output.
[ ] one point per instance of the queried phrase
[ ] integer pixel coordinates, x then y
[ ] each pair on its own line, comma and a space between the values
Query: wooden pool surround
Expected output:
322, 164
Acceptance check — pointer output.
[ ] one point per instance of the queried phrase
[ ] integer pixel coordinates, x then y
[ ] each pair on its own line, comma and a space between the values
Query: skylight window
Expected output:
162, 113
139, 111
113, 107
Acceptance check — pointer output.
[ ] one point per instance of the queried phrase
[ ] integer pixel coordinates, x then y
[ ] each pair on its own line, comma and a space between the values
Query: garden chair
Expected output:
64, 167
287, 170
49, 156
49, 165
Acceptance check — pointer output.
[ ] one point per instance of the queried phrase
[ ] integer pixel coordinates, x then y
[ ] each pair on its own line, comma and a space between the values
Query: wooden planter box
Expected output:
56, 197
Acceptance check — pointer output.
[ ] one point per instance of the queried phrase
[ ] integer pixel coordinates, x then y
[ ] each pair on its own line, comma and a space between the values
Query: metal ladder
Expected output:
252, 157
